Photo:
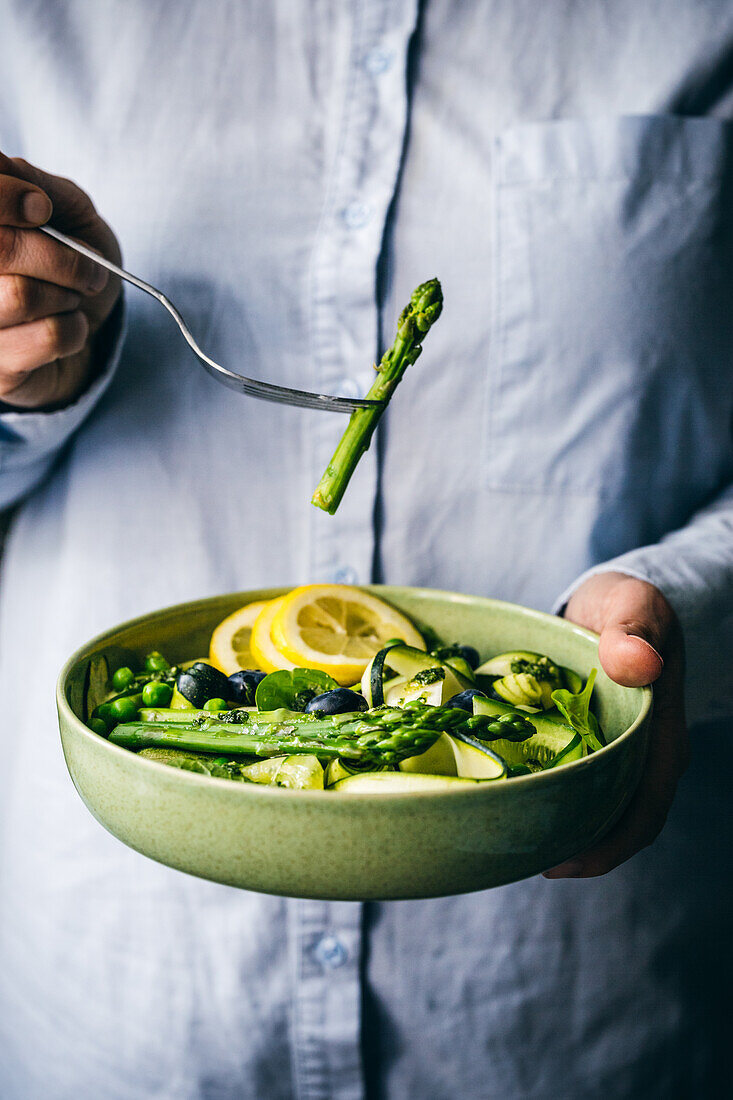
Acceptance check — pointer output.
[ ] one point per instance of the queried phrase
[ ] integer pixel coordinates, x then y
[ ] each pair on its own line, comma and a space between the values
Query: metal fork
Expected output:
266, 391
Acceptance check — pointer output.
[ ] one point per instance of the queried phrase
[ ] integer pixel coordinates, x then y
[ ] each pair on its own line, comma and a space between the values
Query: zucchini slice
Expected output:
439, 759
501, 665
401, 783
411, 664
552, 744
475, 760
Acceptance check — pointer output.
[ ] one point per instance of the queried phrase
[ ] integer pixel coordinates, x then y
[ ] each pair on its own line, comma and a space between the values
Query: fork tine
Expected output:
266, 391
284, 395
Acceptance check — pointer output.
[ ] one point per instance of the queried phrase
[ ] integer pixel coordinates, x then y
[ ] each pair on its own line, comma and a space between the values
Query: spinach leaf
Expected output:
292, 689
576, 710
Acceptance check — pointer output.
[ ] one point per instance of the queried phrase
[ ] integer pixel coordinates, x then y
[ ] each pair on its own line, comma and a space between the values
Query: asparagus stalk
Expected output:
415, 320
384, 735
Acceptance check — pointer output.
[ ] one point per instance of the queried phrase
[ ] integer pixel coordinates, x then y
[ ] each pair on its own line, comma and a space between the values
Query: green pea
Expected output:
156, 694
215, 704
99, 726
124, 709
156, 662
104, 711
122, 678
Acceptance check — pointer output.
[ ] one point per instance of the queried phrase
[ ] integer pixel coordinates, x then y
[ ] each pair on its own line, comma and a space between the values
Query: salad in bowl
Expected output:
331, 688
355, 743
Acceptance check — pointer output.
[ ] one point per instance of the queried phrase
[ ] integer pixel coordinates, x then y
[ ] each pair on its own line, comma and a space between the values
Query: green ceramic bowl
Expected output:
335, 845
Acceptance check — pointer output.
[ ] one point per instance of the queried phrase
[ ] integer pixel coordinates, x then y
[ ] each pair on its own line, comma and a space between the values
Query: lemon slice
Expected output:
337, 629
229, 649
266, 654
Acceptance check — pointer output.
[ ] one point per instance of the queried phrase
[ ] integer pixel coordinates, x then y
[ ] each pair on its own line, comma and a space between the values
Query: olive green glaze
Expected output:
336, 845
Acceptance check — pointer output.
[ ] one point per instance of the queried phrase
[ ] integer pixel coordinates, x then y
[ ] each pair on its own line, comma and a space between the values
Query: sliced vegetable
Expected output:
522, 660
522, 689
400, 783
439, 759
342, 769
464, 653
372, 681
524, 725
302, 772
475, 760
422, 672
219, 767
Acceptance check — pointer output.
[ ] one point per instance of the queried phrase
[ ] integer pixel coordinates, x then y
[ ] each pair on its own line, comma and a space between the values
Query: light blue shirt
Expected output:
287, 173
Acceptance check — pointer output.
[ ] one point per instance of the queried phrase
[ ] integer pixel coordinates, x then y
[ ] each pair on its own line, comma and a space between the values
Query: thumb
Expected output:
632, 641
73, 210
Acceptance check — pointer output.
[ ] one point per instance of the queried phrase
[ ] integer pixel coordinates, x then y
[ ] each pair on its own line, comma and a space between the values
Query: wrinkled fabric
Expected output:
287, 173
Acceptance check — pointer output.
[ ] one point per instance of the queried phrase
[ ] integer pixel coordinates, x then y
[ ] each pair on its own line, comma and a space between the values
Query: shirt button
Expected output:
330, 953
357, 215
345, 575
378, 60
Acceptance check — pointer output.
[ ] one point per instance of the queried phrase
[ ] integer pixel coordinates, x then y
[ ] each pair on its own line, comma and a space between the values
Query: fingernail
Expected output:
97, 279
572, 869
649, 645
36, 206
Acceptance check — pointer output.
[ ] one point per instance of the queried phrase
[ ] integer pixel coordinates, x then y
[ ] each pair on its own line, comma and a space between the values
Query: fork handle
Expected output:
266, 391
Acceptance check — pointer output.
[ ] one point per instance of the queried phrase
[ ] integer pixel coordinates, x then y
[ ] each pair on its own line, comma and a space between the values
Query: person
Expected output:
287, 174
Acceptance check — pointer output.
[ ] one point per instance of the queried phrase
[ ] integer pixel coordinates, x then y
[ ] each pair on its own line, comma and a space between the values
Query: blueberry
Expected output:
201, 682
337, 701
243, 685
464, 699
470, 655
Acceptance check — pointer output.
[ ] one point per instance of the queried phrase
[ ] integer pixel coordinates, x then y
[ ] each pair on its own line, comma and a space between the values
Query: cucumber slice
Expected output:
476, 761
452, 756
372, 682
501, 665
341, 769
407, 691
553, 743
461, 666
439, 759
297, 772
522, 689
400, 783
413, 667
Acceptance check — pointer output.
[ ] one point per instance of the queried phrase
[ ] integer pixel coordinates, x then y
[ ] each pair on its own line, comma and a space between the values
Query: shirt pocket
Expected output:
612, 306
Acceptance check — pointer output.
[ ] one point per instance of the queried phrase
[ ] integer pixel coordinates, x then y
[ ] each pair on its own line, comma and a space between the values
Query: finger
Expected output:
641, 823
24, 348
72, 207
637, 625
22, 204
23, 300
667, 759
35, 255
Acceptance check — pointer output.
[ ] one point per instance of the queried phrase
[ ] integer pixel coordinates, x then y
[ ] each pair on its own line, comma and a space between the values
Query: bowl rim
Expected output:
262, 791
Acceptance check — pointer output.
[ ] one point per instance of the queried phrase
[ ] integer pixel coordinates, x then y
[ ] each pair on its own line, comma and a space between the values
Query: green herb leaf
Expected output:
292, 690
576, 710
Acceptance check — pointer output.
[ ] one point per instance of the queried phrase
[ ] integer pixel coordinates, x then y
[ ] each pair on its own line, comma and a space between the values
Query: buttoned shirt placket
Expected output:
326, 937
